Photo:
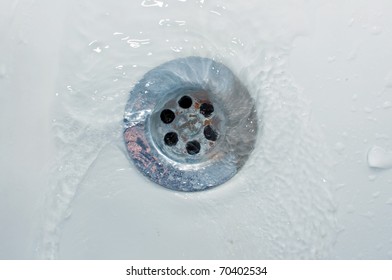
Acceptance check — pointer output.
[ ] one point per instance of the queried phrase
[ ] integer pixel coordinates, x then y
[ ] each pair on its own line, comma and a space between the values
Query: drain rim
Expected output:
153, 89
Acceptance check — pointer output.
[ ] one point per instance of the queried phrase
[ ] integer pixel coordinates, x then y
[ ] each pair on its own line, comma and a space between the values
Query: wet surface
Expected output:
267, 203
321, 78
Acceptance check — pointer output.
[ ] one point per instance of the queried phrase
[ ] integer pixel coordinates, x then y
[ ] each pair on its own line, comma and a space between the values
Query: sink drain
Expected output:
190, 124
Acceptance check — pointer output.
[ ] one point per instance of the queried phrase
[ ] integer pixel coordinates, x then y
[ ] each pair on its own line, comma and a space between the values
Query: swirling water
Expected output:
98, 206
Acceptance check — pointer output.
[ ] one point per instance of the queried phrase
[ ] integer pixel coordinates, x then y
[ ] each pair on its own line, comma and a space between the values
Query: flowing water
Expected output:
98, 205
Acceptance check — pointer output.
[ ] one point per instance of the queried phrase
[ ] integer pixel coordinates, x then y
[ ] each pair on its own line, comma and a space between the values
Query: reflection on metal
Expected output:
190, 124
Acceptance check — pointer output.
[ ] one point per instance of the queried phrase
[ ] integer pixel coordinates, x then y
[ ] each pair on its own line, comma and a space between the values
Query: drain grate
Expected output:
190, 124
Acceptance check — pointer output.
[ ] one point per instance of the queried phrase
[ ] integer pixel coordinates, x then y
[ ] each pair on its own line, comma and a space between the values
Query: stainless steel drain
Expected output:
190, 124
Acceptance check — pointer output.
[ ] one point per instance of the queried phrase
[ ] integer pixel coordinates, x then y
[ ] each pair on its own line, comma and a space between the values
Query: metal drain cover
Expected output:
190, 124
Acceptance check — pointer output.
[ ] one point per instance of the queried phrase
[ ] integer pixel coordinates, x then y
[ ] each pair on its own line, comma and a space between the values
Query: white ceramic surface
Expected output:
320, 72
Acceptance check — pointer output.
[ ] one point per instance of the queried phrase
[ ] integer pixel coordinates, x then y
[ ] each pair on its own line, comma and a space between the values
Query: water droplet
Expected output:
376, 30
137, 43
215, 12
152, 3
176, 49
387, 105
379, 158
97, 50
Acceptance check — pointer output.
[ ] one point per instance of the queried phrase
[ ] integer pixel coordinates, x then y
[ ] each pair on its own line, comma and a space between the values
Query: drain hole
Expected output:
193, 147
171, 138
167, 116
206, 109
210, 134
185, 102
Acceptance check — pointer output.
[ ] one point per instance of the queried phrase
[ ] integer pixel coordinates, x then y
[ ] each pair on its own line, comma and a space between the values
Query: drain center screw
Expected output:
190, 125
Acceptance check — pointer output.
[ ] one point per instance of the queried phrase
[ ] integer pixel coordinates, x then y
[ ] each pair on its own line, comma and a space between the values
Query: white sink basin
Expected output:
320, 73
